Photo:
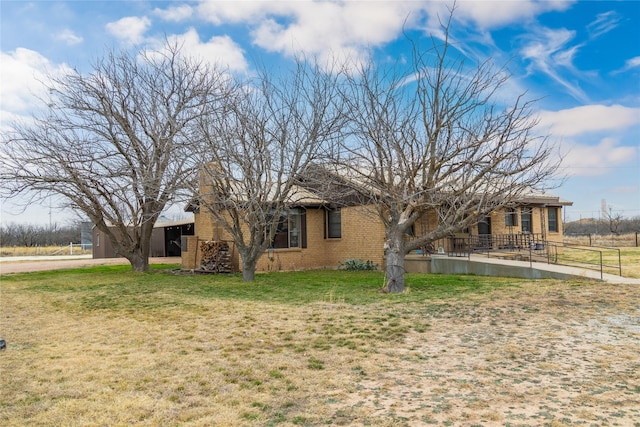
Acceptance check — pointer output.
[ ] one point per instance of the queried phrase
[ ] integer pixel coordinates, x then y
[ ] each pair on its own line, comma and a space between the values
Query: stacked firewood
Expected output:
216, 257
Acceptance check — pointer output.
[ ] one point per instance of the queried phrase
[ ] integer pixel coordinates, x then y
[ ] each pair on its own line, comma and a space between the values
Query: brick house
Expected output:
312, 234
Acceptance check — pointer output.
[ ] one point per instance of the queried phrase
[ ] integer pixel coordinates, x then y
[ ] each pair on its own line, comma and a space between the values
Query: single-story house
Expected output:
314, 234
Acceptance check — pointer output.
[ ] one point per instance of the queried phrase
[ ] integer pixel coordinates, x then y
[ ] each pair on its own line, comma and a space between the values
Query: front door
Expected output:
484, 232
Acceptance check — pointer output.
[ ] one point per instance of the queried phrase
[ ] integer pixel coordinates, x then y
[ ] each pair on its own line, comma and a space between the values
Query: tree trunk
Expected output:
394, 251
248, 267
139, 262
139, 256
248, 275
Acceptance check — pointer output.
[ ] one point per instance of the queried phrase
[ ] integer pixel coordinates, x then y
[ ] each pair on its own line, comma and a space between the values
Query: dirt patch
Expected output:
568, 357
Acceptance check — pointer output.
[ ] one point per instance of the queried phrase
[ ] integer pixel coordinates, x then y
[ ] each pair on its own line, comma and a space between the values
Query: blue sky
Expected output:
581, 59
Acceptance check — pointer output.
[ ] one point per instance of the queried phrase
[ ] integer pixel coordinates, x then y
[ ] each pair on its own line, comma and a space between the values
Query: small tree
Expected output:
614, 219
116, 144
269, 130
432, 137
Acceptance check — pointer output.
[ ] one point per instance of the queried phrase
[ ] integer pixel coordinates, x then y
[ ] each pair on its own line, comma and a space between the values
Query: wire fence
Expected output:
70, 249
616, 240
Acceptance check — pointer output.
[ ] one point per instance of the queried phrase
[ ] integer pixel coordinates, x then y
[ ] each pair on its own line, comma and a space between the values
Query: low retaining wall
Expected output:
417, 264
447, 265
466, 266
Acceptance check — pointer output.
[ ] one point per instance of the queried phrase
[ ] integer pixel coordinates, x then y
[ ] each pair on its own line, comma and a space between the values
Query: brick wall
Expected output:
362, 237
539, 223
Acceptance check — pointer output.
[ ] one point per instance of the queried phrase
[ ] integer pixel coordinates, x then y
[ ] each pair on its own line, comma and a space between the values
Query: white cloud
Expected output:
130, 29
592, 160
220, 50
589, 118
548, 50
347, 29
494, 14
603, 23
633, 62
69, 37
174, 13
584, 156
24, 74
222, 11
324, 29
629, 64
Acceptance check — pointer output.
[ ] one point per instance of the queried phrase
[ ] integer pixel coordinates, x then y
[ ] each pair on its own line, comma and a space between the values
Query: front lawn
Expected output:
104, 346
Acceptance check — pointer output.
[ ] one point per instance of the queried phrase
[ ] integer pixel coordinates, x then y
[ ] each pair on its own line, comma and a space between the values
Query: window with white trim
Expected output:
289, 230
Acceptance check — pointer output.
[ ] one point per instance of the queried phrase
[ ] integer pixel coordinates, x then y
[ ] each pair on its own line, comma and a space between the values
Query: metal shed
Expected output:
165, 239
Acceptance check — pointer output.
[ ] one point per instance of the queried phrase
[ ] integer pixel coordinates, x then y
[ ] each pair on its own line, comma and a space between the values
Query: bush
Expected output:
358, 265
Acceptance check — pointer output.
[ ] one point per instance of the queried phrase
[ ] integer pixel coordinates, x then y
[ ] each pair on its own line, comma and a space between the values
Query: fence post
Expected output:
70, 248
601, 275
619, 263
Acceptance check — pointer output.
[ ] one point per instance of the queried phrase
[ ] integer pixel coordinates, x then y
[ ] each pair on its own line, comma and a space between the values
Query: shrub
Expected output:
357, 265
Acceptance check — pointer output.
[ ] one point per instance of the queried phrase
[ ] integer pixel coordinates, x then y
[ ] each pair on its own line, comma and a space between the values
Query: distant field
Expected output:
620, 240
43, 250
105, 346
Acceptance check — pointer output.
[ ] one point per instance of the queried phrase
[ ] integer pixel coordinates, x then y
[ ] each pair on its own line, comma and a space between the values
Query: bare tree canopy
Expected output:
269, 129
116, 143
432, 136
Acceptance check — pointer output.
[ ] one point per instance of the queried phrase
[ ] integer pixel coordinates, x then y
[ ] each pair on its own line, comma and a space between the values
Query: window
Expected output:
289, 231
511, 217
526, 220
553, 219
333, 226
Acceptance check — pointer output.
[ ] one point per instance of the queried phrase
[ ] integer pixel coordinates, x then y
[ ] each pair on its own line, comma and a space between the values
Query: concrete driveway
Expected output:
30, 264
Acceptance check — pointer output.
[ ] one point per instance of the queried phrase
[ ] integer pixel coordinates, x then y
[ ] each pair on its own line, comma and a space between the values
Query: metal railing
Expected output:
603, 259
466, 245
533, 248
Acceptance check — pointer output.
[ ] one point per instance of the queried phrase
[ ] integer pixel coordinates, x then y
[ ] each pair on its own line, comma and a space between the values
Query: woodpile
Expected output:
216, 257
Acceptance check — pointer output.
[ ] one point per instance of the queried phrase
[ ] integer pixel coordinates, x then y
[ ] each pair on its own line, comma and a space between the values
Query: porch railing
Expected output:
468, 244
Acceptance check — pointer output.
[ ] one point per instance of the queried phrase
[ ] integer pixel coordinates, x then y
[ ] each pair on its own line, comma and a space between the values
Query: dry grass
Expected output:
613, 240
628, 258
185, 351
42, 250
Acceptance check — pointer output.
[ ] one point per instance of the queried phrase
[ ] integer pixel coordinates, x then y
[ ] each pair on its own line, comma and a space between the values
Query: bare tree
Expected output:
432, 137
117, 143
270, 129
614, 219
38, 235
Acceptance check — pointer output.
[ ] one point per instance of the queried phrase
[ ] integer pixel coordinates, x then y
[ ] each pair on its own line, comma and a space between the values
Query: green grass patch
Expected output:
117, 288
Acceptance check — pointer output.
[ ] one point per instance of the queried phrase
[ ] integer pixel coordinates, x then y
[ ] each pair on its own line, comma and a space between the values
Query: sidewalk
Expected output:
13, 259
562, 269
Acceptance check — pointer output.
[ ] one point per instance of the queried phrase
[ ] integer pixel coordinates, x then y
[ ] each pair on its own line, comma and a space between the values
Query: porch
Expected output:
464, 245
